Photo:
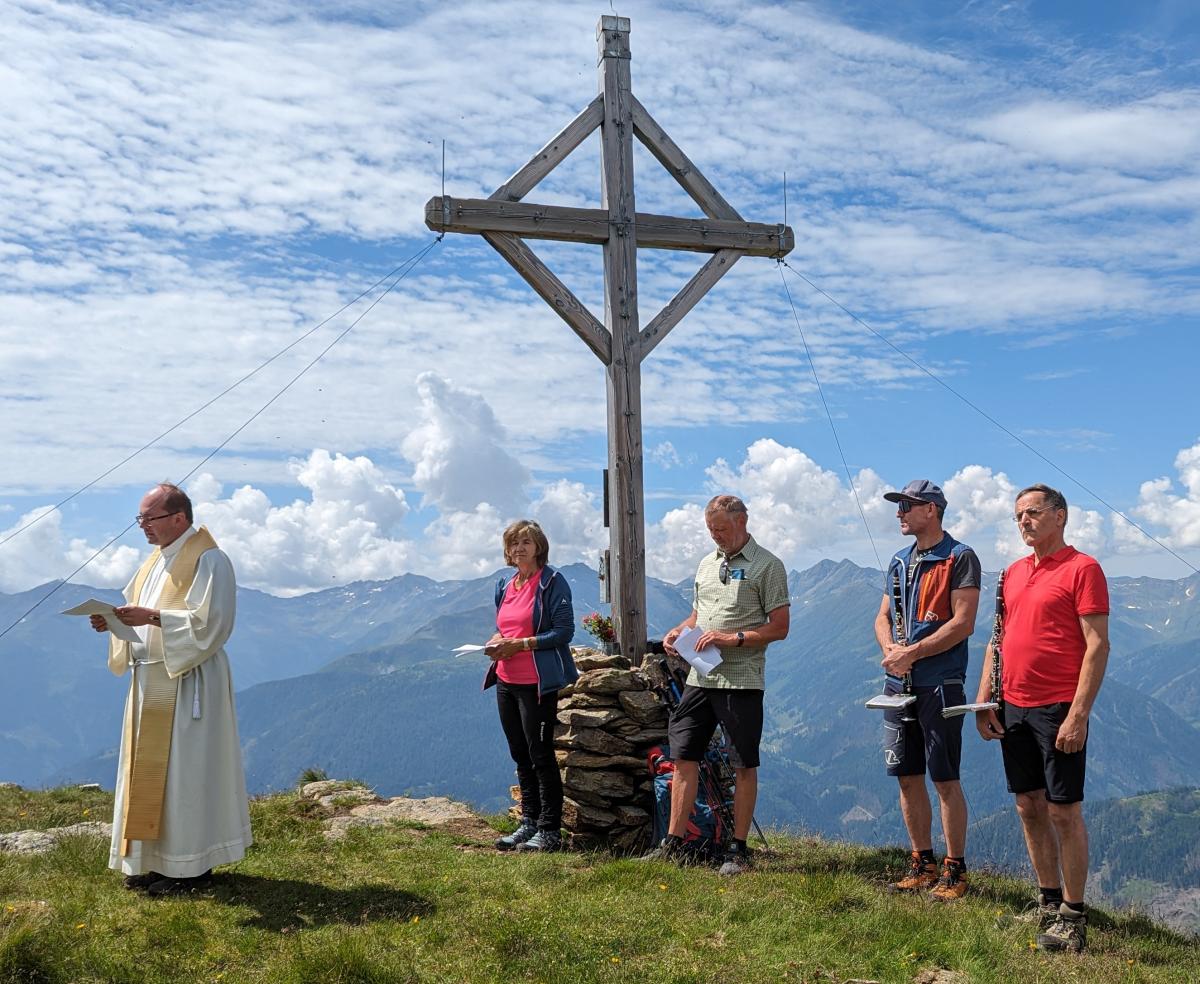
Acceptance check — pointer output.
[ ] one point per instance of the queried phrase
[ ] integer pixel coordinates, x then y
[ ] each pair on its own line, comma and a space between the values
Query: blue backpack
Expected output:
708, 829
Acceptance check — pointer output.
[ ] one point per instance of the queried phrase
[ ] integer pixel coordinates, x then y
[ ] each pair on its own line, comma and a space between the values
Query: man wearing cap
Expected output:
939, 579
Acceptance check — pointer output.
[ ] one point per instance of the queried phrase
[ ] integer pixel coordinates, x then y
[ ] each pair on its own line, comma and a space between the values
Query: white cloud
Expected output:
349, 527
573, 521
43, 553
1178, 514
457, 453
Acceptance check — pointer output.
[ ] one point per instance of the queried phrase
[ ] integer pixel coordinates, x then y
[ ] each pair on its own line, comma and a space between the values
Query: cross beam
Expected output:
505, 221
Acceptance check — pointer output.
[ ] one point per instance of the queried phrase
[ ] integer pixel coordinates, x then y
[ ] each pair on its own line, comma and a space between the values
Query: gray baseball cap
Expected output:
919, 490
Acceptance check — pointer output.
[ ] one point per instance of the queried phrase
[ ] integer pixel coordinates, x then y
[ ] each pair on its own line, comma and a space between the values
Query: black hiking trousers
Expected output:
529, 728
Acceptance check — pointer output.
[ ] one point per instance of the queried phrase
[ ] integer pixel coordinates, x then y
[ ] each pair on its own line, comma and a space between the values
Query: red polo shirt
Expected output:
1043, 645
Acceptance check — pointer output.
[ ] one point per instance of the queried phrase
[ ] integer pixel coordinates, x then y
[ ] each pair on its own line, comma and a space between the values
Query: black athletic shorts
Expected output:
701, 709
1031, 762
929, 740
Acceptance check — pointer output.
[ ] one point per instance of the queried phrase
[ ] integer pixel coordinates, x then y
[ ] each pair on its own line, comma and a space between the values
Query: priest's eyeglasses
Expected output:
142, 519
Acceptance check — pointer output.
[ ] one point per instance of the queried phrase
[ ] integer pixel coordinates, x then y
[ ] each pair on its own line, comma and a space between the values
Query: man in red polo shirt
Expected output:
1054, 651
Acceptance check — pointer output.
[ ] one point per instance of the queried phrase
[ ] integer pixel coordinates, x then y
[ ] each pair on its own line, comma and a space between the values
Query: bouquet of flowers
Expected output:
599, 626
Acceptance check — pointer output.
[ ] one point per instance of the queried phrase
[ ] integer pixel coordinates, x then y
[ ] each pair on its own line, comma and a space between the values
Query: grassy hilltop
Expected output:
405, 903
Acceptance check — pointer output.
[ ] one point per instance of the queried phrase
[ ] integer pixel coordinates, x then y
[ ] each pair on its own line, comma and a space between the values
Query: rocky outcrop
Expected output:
355, 805
41, 841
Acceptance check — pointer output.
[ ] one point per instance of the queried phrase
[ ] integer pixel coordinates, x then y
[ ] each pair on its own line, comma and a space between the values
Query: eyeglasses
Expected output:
142, 519
1031, 513
904, 505
723, 571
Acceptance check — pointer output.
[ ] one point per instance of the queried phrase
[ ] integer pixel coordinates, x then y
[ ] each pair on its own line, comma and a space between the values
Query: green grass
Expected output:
409, 905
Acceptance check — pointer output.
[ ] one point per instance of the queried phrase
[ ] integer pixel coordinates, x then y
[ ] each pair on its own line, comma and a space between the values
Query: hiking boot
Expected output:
952, 886
518, 837
921, 877
670, 848
543, 840
1069, 932
1041, 912
737, 861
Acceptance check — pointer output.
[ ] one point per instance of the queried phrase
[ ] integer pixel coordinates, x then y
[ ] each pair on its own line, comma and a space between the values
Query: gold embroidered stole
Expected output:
147, 754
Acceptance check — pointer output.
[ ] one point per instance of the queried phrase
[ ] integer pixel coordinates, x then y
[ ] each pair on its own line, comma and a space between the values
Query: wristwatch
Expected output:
741, 637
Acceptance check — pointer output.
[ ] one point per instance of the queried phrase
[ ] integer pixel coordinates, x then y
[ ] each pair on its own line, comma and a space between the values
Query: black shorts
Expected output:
929, 740
701, 709
1031, 762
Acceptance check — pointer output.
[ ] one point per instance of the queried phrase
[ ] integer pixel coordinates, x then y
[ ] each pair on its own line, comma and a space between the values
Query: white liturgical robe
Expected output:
205, 817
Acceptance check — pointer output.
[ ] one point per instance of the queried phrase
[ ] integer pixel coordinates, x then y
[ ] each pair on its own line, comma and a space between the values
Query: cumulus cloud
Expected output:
458, 457
43, 553
347, 529
1178, 514
573, 520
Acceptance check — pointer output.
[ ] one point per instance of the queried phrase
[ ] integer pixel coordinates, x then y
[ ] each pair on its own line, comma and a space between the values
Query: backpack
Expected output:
709, 825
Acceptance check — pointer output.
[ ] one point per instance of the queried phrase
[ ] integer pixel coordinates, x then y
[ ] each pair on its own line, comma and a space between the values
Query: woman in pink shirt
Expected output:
531, 661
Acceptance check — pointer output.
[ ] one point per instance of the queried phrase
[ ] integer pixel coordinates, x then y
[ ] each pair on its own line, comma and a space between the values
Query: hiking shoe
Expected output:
518, 837
670, 848
542, 840
1040, 911
921, 877
1069, 932
145, 880
952, 886
737, 861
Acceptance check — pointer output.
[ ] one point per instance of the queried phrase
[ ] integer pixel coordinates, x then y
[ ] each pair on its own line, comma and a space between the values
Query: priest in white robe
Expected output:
181, 804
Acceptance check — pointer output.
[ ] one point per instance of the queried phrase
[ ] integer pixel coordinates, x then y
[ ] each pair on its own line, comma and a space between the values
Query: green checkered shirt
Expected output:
756, 585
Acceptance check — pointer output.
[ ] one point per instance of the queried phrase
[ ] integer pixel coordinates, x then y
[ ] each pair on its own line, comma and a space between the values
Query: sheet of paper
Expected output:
886, 702
958, 709
115, 625
706, 660
469, 647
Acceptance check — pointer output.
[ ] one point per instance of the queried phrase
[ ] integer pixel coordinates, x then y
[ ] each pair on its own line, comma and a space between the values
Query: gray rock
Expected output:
608, 681
590, 717
643, 706
577, 815
613, 785
41, 841
591, 660
591, 740
589, 760
588, 701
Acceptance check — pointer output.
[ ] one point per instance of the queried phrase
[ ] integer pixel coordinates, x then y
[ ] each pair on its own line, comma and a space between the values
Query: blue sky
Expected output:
1008, 192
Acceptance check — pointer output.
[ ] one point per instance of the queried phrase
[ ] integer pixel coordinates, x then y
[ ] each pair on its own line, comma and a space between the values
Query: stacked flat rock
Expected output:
607, 721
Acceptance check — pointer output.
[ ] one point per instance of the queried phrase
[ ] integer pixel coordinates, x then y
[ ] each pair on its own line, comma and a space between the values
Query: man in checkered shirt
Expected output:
741, 605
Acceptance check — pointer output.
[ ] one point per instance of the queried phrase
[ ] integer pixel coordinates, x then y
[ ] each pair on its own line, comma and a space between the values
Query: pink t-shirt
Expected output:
514, 620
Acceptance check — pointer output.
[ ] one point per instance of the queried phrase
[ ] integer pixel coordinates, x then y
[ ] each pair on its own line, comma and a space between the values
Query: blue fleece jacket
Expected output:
553, 627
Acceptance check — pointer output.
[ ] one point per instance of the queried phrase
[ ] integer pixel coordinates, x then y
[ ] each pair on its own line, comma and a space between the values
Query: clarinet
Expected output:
997, 637
901, 636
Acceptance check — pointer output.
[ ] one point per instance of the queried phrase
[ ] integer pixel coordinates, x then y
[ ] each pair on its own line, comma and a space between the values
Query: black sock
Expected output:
739, 845
927, 856
1076, 907
673, 840
959, 863
1051, 896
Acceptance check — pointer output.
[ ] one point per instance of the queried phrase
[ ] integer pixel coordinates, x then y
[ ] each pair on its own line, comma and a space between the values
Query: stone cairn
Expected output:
607, 721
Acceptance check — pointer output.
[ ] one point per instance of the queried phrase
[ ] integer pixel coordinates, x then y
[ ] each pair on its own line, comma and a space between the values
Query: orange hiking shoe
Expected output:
952, 886
922, 876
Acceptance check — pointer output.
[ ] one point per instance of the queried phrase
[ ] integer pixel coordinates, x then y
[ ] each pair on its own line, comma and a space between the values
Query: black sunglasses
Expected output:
723, 571
904, 505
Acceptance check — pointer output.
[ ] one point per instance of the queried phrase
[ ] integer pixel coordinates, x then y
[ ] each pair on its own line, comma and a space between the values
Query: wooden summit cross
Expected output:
503, 220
